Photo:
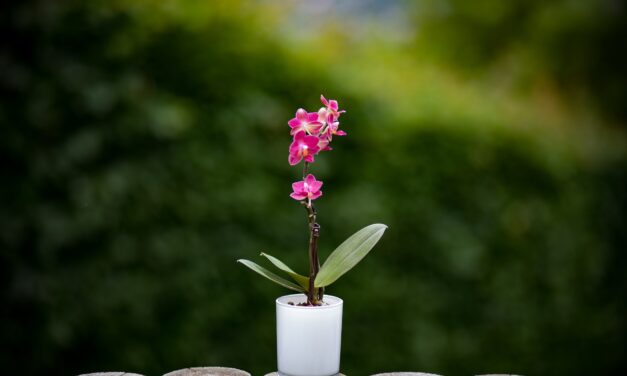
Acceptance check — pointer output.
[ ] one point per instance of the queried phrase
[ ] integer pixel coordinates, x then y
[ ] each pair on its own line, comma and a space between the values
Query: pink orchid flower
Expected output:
305, 121
332, 128
303, 147
306, 189
323, 142
332, 106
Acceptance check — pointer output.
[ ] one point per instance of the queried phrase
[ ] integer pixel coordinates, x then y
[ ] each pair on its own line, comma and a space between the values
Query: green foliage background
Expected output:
144, 150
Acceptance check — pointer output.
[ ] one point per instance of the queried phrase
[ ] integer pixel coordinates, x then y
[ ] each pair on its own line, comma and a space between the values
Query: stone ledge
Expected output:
208, 371
225, 371
276, 374
405, 374
110, 374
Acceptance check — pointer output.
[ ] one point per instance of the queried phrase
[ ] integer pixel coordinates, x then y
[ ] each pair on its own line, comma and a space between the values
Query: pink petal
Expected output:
324, 100
323, 143
333, 104
310, 158
315, 195
301, 114
310, 179
311, 142
294, 123
293, 159
299, 137
294, 147
315, 186
298, 196
322, 114
340, 133
312, 116
314, 128
313, 150
298, 186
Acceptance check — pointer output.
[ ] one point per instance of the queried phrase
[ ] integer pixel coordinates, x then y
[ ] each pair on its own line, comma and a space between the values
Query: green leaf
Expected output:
271, 276
349, 253
300, 279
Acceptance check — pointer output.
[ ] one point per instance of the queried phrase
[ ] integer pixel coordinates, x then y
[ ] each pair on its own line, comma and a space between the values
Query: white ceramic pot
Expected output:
309, 339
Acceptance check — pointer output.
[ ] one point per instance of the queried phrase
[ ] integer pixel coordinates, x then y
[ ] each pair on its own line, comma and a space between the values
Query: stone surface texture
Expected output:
110, 374
406, 374
208, 371
276, 374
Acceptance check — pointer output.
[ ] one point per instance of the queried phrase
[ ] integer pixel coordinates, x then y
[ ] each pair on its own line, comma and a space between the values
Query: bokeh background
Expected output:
143, 147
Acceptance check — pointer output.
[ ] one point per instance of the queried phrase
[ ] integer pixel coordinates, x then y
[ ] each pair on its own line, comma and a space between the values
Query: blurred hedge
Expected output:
144, 151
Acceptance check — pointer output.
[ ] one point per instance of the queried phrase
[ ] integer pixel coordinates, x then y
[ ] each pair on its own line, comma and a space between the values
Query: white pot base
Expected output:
308, 338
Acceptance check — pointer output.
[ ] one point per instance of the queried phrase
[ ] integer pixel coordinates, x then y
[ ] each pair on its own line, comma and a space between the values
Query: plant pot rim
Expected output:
330, 300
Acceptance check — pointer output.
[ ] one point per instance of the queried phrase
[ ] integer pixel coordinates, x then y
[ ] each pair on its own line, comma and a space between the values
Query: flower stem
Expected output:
313, 296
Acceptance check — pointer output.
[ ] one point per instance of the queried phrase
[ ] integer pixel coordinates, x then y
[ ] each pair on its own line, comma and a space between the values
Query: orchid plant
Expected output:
312, 134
